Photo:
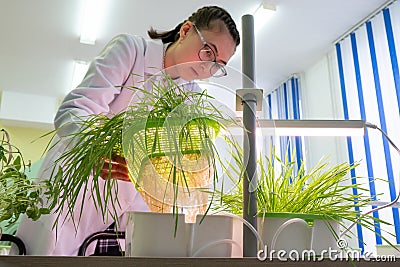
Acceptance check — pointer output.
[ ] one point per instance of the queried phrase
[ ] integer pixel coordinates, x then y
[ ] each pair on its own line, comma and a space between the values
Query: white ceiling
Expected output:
40, 39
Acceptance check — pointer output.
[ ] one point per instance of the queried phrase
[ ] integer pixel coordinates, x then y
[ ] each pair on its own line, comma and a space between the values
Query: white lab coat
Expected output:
98, 93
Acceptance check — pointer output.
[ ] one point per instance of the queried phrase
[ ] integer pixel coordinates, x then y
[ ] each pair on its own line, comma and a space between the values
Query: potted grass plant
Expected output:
302, 209
166, 136
18, 194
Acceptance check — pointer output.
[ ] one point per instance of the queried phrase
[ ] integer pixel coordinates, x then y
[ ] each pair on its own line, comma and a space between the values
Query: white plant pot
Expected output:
324, 235
289, 232
150, 234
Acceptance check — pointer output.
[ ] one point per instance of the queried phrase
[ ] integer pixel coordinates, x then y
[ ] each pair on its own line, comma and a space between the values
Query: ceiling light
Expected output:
93, 11
262, 14
80, 69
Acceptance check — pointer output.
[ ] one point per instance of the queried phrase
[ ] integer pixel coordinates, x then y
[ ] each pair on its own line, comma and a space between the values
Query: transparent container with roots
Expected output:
172, 139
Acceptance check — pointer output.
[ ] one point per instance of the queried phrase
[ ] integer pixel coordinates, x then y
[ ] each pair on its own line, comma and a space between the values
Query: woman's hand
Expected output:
115, 169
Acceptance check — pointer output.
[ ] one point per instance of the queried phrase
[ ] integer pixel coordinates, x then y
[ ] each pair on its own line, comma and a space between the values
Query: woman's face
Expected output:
190, 43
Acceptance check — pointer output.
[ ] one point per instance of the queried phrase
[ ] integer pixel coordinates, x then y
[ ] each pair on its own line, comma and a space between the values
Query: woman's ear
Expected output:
185, 28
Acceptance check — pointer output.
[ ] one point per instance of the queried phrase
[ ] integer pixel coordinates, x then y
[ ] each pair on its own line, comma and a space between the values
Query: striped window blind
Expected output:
285, 103
370, 85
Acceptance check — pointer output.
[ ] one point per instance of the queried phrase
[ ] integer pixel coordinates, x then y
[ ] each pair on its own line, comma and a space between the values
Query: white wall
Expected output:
27, 110
321, 99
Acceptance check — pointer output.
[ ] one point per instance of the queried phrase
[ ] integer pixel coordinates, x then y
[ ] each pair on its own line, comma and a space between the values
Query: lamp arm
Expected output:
373, 126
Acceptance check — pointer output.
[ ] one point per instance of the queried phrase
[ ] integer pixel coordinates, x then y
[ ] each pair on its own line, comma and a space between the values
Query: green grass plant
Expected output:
325, 190
164, 120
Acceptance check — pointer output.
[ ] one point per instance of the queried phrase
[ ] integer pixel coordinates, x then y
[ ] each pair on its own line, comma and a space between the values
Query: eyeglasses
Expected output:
207, 54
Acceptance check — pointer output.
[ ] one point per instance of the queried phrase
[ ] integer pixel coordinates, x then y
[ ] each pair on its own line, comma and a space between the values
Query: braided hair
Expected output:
205, 18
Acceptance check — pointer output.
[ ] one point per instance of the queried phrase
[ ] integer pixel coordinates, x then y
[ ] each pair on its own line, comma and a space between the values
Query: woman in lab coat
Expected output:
208, 35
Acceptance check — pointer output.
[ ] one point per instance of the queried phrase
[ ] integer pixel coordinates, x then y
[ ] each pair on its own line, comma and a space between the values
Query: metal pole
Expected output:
248, 51
249, 102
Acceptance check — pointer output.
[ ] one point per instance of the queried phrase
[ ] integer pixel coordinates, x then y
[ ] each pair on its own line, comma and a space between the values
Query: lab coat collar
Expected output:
153, 57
